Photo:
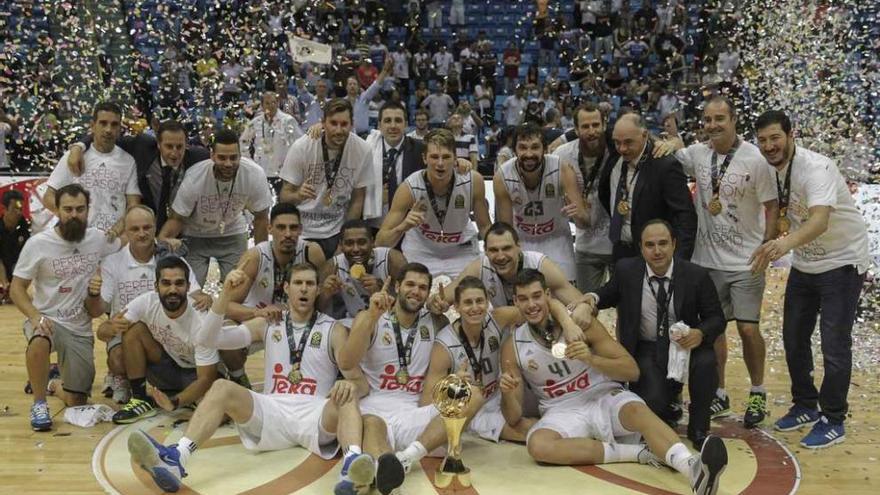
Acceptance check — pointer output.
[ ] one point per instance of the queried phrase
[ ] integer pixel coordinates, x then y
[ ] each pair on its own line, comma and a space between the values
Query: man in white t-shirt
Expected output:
123, 276
108, 173
270, 134
514, 106
820, 223
735, 194
465, 144
157, 330
59, 262
327, 178
442, 63
209, 207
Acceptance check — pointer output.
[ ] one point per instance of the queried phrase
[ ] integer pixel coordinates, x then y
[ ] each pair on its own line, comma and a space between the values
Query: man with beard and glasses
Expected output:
108, 173
267, 266
327, 178
587, 417
358, 272
392, 341
304, 402
590, 154
736, 212
210, 203
431, 211
538, 195
124, 275
829, 239
59, 262
159, 347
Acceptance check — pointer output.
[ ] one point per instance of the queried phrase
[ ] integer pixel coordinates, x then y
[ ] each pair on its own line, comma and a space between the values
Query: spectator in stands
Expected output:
360, 101
470, 66
267, 137
514, 105
435, 14
231, 72
728, 62
456, 13
668, 103
484, 98
378, 51
14, 232
488, 62
422, 92
439, 105
421, 128
646, 17
8, 124
442, 62
366, 74
402, 58
471, 122
512, 60
667, 44
603, 35
313, 103
465, 144
532, 80
453, 86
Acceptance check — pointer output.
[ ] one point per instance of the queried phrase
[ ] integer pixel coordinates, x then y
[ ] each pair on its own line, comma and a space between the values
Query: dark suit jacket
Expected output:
694, 300
145, 150
660, 192
413, 159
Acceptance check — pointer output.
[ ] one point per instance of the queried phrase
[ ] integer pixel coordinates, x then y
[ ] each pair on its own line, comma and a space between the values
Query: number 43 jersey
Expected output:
557, 382
537, 213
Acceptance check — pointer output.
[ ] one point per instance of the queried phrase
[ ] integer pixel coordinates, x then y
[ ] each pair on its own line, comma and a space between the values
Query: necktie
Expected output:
662, 306
616, 218
164, 192
389, 163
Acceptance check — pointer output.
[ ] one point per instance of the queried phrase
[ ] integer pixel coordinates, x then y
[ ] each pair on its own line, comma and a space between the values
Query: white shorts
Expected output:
448, 261
488, 422
559, 248
598, 418
284, 421
404, 419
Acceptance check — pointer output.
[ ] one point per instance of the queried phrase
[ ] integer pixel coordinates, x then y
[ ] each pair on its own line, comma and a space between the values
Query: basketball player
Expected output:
392, 341
538, 195
587, 417
303, 404
358, 272
432, 210
158, 346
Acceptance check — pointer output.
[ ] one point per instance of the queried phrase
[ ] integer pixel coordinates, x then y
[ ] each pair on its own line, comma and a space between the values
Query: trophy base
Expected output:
452, 470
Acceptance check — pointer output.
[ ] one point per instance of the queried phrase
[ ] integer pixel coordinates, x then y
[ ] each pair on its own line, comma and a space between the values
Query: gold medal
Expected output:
357, 271
623, 207
402, 376
328, 199
295, 376
783, 225
715, 206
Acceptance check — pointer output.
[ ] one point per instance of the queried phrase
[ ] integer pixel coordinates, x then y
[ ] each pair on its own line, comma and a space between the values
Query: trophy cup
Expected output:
451, 396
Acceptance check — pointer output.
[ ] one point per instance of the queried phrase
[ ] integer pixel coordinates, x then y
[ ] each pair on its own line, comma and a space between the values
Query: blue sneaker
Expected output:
40, 418
796, 417
163, 463
824, 434
357, 474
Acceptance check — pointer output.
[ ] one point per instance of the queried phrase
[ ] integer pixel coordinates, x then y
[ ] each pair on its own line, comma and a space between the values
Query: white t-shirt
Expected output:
270, 140
726, 241
401, 64
108, 177
594, 239
305, 164
123, 278
204, 201
60, 272
174, 335
816, 181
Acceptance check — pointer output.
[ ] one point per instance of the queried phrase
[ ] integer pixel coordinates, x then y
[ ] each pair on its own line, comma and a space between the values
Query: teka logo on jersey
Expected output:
580, 382
441, 237
282, 385
534, 229
389, 381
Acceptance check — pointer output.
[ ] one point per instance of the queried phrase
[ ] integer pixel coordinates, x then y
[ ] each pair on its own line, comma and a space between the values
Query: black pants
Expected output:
328, 245
659, 392
622, 250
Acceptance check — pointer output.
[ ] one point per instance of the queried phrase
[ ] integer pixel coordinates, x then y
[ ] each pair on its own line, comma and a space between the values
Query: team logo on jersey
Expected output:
276, 336
493, 343
143, 276
517, 200
386, 338
533, 366
549, 191
264, 282
315, 341
492, 291
459, 201
424, 333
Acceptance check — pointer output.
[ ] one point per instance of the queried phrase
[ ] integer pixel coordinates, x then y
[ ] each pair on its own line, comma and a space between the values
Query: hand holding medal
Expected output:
579, 351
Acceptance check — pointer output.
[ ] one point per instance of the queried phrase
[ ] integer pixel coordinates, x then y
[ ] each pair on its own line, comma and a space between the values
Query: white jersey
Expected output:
213, 208
500, 292
537, 213
60, 272
488, 353
555, 381
270, 140
726, 241
265, 289
816, 181
594, 239
123, 278
108, 177
175, 335
381, 363
318, 366
441, 240
354, 295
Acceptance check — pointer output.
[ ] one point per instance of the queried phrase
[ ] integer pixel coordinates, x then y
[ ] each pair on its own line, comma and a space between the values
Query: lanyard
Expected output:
263, 128
783, 190
228, 196
662, 311
332, 171
404, 349
508, 287
432, 198
280, 276
476, 364
590, 179
546, 334
296, 353
718, 174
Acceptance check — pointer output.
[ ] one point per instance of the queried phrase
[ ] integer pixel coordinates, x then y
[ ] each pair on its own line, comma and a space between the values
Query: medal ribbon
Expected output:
228, 196
783, 190
717, 174
433, 199
332, 171
594, 172
476, 364
297, 352
404, 349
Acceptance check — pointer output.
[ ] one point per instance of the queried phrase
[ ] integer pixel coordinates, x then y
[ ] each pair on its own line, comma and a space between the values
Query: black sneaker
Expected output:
719, 407
243, 380
707, 470
134, 411
756, 409
389, 473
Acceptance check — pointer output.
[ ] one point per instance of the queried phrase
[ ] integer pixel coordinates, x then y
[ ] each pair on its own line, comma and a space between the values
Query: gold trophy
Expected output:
451, 396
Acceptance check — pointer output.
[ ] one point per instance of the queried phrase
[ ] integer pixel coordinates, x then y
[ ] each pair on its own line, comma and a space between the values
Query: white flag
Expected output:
303, 50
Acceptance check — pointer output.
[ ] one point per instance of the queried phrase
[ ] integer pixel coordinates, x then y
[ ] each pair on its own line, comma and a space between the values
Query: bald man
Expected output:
639, 188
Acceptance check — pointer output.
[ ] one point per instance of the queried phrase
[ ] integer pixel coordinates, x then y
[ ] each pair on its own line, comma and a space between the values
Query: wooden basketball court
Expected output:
70, 459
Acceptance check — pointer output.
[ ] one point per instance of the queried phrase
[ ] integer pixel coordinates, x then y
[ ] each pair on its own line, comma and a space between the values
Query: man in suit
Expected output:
640, 187
160, 163
641, 289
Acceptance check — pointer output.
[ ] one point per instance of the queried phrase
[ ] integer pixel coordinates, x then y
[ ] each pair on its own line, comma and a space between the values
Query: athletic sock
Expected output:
415, 452
352, 450
621, 452
678, 456
721, 393
758, 389
236, 373
185, 447
138, 388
